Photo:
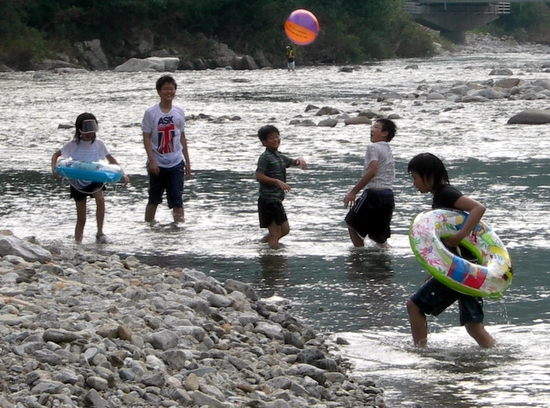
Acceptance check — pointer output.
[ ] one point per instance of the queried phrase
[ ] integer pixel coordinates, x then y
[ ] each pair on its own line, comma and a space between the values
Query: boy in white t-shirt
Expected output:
166, 148
371, 214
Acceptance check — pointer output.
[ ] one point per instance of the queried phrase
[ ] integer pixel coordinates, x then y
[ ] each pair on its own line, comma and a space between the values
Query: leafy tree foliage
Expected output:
351, 30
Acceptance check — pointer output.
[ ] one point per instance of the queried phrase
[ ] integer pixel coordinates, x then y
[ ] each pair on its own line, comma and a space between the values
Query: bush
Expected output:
22, 50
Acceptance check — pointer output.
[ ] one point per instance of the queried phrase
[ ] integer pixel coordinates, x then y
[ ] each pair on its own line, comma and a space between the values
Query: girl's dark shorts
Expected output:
270, 211
169, 179
371, 215
88, 191
434, 297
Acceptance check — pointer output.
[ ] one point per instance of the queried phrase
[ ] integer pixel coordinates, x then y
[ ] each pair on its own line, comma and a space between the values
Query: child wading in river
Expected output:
430, 176
271, 174
86, 147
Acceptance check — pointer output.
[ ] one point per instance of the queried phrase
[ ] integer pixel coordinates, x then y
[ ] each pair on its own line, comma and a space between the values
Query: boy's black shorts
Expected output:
371, 215
269, 211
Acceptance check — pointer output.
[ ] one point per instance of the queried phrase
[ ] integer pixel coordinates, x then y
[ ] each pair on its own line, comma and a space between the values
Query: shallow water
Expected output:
356, 294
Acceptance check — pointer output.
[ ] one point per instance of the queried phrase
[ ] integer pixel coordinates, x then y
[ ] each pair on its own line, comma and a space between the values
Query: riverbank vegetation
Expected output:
526, 22
351, 30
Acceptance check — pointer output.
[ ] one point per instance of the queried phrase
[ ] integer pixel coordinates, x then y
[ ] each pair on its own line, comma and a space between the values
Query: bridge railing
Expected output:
413, 7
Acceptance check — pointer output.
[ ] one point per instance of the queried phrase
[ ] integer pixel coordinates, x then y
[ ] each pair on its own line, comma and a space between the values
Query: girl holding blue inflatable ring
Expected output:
86, 147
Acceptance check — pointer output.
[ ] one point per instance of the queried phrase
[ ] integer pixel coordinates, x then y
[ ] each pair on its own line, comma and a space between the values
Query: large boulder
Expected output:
90, 54
530, 117
138, 65
246, 62
261, 60
158, 64
170, 63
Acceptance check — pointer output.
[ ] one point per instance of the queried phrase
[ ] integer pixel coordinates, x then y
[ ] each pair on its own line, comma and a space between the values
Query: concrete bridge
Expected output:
453, 18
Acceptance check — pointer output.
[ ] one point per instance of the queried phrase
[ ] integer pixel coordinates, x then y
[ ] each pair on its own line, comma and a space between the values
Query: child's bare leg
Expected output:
285, 229
80, 220
150, 212
274, 235
480, 335
419, 325
177, 213
276, 232
100, 211
355, 238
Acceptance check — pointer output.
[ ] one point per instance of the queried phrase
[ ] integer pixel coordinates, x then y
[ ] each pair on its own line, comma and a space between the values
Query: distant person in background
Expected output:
430, 176
271, 174
290, 62
166, 147
86, 147
371, 215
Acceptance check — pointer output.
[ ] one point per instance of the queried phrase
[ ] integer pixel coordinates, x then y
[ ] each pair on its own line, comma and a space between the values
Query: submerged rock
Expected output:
531, 117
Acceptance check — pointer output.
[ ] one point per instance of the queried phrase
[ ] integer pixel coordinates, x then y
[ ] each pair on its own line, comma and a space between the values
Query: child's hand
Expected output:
125, 178
349, 200
283, 186
300, 162
56, 175
453, 241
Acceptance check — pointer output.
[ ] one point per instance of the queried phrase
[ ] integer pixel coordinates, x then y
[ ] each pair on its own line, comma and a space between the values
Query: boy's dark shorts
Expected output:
270, 211
88, 191
169, 179
371, 215
434, 297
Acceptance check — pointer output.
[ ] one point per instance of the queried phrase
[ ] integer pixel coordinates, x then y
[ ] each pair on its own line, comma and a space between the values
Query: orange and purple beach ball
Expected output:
301, 27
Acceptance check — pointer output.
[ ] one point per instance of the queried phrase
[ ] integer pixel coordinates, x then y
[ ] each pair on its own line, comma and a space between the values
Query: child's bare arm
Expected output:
363, 181
475, 212
55, 156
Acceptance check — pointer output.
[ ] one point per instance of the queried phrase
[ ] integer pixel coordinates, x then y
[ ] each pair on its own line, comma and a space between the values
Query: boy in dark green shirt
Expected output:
271, 174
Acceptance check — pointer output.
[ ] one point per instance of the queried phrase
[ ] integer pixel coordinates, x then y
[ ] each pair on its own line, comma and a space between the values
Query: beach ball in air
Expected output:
301, 27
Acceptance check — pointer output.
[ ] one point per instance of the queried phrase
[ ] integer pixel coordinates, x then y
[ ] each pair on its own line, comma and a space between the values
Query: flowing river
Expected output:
355, 294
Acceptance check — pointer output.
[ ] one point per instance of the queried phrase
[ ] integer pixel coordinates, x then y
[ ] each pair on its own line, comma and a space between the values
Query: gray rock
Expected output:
358, 120
10, 245
501, 71
91, 54
164, 340
530, 117
140, 65
328, 123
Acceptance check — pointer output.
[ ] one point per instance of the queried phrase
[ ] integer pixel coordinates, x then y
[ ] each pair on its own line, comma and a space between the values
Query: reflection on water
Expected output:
369, 265
273, 270
359, 294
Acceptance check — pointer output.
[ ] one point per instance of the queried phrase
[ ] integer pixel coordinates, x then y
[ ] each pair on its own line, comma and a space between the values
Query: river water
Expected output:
355, 294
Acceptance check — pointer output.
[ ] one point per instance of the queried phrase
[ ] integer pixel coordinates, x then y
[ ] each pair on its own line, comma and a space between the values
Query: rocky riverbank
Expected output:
80, 329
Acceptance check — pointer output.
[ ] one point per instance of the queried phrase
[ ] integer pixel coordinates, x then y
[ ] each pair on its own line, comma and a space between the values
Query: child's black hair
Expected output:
78, 125
427, 165
166, 79
266, 130
389, 126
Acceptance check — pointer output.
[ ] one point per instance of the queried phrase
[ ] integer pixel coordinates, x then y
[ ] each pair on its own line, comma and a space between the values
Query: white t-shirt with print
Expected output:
165, 130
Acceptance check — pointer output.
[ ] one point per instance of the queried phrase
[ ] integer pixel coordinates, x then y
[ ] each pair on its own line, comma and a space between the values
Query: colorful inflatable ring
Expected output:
489, 278
90, 171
